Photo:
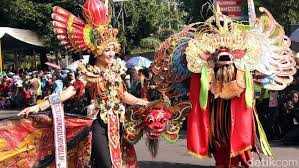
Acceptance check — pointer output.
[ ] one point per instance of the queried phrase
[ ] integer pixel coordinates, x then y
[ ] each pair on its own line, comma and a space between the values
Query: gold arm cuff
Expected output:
44, 105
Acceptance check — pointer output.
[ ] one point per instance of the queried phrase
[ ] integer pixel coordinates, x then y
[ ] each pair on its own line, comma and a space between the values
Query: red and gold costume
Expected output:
222, 60
105, 85
107, 93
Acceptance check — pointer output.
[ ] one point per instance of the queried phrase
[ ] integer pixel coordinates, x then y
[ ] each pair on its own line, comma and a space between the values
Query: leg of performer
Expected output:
235, 162
245, 159
100, 148
222, 157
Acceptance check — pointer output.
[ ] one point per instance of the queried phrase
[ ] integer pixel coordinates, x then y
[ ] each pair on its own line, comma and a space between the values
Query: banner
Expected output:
231, 8
29, 142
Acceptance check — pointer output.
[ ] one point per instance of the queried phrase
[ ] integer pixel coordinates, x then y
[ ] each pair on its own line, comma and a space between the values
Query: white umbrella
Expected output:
295, 35
138, 62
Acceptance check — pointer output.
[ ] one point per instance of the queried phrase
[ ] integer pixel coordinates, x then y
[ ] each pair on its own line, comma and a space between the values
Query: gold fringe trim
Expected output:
240, 151
198, 156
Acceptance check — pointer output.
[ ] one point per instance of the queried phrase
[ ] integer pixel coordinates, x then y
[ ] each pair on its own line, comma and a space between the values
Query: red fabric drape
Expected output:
198, 123
242, 126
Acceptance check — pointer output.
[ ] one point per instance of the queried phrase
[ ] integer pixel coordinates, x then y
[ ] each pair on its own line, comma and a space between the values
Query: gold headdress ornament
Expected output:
92, 36
226, 59
260, 46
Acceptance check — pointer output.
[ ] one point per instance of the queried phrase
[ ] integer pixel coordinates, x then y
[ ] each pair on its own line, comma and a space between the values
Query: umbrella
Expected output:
295, 35
53, 65
138, 62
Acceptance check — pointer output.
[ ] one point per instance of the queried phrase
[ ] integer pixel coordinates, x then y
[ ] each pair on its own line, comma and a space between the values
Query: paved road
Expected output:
175, 155
170, 156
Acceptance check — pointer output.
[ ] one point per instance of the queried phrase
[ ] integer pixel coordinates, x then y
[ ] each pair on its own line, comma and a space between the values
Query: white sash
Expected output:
59, 131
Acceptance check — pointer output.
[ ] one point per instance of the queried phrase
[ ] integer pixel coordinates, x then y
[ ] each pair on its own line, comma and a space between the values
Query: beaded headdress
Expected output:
92, 35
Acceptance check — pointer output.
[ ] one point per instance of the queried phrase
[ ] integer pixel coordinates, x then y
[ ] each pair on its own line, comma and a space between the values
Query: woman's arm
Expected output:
132, 100
64, 95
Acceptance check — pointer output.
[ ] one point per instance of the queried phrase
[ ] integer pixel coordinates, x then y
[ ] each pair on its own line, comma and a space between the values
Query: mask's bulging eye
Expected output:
205, 56
163, 120
150, 119
238, 53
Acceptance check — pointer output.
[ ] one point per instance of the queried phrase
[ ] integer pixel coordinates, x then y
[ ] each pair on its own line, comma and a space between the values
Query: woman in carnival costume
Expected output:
223, 59
103, 80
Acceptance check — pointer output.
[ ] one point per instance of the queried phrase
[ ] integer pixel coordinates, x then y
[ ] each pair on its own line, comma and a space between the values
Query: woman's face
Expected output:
108, 55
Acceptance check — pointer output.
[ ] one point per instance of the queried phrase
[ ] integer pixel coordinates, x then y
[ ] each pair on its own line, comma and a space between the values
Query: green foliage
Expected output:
198, 10
165, 33
286, 12
150, 42
143, 18
140, 51
146, 18
33, 15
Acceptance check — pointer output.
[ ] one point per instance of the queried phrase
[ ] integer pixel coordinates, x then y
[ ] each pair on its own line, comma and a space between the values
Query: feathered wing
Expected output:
30, 141
71, 31
271, 51
169, 66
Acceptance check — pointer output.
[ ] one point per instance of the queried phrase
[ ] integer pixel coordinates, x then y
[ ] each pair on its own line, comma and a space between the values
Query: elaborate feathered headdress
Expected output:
223, 59
229, 55
92, 35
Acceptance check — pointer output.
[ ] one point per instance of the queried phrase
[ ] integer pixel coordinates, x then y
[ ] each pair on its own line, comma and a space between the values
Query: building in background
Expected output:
22, 47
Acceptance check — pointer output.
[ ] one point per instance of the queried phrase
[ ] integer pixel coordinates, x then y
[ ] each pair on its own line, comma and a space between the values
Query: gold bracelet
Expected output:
43, 105
34, 109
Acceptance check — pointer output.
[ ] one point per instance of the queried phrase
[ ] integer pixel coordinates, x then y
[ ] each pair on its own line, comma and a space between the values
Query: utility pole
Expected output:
251, 12
121, 14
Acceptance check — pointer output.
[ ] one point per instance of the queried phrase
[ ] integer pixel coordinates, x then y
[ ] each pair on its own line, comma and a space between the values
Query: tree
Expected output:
198, 10
34, 15
285, 12
143, 17
146, 18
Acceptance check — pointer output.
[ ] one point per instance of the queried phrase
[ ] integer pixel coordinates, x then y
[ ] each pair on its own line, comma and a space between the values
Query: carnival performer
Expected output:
223, 59
103, 80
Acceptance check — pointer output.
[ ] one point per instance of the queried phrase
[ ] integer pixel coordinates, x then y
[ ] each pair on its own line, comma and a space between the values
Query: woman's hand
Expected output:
143, 102
29, 110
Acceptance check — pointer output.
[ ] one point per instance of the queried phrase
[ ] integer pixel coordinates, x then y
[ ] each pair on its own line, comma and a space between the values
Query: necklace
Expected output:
110, 104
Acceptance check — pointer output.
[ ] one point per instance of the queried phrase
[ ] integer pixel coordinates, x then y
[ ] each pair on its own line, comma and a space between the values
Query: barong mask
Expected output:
223, 59
231, 55
159, 120
92, 35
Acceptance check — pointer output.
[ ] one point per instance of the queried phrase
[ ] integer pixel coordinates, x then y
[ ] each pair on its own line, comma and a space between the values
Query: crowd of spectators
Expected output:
278, 110
25, 88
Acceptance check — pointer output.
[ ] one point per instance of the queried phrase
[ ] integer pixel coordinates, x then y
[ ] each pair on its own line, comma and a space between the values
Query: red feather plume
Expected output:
96, 12
69, 29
